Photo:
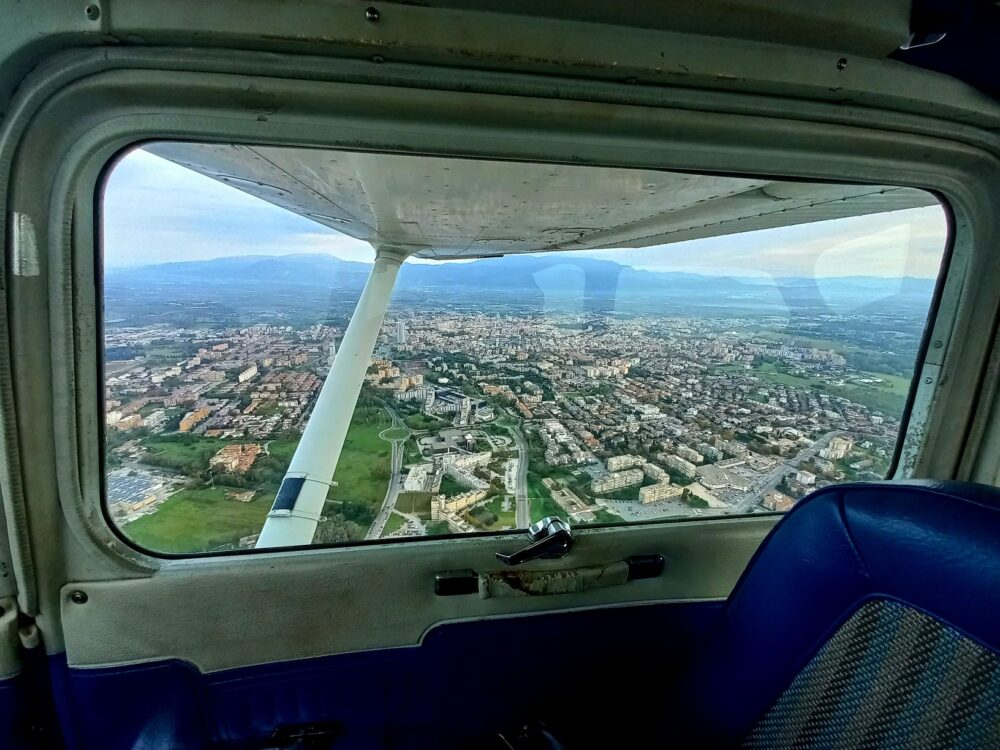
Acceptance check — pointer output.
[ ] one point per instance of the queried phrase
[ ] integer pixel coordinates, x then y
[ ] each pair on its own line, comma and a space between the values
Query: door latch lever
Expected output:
550, 538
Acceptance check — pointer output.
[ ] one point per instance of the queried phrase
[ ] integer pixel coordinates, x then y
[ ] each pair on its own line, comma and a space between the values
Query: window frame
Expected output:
893, 471
79, 109
927, 155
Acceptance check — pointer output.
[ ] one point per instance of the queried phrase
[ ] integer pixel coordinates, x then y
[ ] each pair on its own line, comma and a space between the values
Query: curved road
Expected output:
522, 516
395, 466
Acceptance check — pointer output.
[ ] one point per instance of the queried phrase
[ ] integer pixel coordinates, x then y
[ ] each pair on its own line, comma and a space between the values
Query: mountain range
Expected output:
552, 273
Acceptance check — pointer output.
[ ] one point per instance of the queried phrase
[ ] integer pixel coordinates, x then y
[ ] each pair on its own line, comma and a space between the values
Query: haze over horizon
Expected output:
175, 214
557, 259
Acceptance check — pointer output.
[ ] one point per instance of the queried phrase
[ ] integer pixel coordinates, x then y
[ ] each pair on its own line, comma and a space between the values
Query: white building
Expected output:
654, 493
248, 374
689, 454
678, 464
805, 477
620, 463
618, 480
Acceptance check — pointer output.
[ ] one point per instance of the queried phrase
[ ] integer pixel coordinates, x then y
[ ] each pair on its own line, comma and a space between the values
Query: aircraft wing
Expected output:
444, 207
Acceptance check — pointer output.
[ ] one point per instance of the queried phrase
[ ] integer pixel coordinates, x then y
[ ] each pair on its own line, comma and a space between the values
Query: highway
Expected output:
395, 466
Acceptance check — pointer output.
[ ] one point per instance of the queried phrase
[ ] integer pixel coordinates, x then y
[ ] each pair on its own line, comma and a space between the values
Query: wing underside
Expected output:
445, 207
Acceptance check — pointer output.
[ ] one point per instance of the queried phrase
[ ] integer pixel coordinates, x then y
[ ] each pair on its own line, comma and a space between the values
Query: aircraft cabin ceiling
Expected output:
441, 207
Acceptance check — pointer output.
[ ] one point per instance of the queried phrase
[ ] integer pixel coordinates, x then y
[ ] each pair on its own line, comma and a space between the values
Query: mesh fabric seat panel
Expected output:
890, 677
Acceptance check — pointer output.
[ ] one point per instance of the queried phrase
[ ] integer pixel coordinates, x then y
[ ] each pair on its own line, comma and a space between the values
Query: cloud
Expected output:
910, 242
156, 212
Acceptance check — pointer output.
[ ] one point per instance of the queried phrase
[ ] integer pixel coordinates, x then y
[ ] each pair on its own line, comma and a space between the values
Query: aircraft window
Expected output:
698, 345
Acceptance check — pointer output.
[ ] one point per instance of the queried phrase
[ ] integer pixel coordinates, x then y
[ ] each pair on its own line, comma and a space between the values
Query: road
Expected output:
773, 478
395, 466
522, 510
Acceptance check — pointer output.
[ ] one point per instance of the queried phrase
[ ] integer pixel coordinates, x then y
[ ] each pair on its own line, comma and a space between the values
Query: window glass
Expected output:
651, 345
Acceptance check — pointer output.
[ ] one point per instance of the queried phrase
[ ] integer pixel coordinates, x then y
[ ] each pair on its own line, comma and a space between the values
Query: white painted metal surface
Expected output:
442, 207
318, 452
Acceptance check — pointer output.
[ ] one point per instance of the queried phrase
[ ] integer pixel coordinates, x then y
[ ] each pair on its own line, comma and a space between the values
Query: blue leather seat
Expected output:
870, 617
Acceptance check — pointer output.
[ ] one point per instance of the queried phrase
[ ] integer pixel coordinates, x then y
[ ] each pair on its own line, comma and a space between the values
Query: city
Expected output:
486, 413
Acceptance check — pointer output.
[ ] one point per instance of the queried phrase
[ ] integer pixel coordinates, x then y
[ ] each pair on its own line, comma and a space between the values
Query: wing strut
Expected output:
299, 504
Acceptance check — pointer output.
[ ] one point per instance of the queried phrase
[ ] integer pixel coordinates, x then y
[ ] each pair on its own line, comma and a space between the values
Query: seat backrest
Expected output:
870, 617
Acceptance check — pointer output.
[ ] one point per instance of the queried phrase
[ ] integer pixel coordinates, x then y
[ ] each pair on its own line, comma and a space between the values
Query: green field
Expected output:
893, 383
450, 487
268, 408
889, 396
540, 500
768, 371
363, 470
415, 503
394, 523
422, 422
412, 452
504, 518
170, 352
807, 341
198, 521
282, 449
602, 515
182, 452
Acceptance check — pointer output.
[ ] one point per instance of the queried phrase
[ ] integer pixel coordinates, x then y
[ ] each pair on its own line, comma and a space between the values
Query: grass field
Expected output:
412, 452
166, 351
504, 518
769, 372
189, 453
540, 500
394, 523
282, 449
416, 503
605, 516
363, 457
894, 383
422, 422
888, 396
807, 341
198, 521
450, 487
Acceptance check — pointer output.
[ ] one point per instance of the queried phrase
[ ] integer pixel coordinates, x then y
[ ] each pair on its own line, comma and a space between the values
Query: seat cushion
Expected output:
846, 551
890, 677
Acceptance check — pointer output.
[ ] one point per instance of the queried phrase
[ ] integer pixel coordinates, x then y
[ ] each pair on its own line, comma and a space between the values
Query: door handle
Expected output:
550, 538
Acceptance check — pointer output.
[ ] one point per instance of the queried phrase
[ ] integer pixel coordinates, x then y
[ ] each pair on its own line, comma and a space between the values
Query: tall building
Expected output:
400, 333
465, 412
838, 449
248, 374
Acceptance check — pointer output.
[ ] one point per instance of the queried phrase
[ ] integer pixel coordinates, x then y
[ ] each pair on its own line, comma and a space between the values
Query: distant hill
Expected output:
553, 274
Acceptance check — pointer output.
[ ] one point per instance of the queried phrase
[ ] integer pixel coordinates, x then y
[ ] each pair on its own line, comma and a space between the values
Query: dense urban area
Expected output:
481, 414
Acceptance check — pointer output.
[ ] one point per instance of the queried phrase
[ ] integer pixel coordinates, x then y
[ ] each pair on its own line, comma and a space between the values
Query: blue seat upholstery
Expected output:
885, 551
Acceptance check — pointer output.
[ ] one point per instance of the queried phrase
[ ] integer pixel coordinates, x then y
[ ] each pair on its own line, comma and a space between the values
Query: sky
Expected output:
157, 212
